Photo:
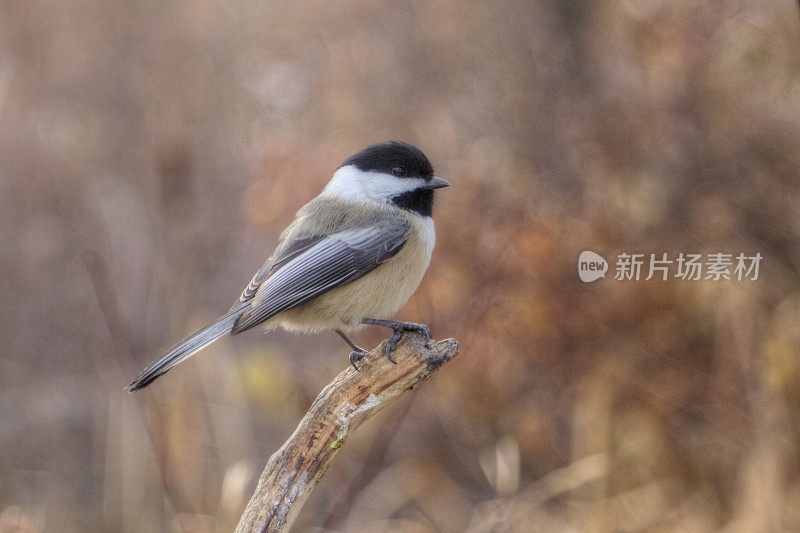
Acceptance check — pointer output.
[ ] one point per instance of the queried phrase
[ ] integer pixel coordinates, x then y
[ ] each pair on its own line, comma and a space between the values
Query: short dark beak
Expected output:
437, 183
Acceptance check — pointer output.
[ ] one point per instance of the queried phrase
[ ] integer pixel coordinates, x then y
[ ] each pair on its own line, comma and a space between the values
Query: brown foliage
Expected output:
151, 152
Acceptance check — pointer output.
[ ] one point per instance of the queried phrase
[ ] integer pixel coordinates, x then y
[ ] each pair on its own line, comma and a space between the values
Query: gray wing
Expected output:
281, 257
309, 269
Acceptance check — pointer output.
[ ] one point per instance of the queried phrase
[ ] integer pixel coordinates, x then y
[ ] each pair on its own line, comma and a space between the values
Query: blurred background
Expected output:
151, 152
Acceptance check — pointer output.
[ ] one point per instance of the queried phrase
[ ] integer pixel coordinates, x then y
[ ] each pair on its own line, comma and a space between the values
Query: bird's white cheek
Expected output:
350, 183
347, 184
383, 186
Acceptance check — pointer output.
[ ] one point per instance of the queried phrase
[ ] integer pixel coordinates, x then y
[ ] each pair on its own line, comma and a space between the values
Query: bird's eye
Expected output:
399, 171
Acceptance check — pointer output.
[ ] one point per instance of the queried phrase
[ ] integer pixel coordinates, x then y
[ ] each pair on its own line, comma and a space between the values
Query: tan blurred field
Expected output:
151, 152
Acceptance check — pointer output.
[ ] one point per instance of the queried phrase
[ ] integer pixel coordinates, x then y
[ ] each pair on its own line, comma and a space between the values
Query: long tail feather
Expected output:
188, 347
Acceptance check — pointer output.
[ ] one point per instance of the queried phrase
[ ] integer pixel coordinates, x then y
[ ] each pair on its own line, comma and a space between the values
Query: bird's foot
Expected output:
358, 352
398, 328
356, 356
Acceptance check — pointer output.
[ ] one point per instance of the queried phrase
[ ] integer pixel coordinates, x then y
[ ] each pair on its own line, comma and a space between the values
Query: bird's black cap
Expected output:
400, 158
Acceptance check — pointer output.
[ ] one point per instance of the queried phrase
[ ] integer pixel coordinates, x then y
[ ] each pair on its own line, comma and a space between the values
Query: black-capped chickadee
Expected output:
352, 256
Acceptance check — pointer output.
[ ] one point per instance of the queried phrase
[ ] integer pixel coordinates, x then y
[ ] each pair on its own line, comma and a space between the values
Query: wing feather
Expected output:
281, 257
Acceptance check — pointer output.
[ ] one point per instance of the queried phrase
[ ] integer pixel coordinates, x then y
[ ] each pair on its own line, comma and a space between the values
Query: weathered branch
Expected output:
352, 397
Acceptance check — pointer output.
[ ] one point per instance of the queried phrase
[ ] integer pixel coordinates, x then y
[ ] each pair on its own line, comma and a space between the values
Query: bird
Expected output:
351, 257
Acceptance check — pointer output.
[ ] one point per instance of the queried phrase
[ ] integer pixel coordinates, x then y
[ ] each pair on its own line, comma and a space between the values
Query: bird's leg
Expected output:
398, 328
358, 352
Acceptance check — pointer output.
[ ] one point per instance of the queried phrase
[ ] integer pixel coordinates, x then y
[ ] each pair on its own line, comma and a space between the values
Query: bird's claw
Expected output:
356, 356
391, 346
422, 329
398, 328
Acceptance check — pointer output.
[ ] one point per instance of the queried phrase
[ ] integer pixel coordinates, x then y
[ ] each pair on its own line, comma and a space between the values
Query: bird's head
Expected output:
394, 172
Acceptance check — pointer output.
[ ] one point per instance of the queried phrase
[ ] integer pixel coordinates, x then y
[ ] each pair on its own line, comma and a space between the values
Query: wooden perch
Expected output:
351, 398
